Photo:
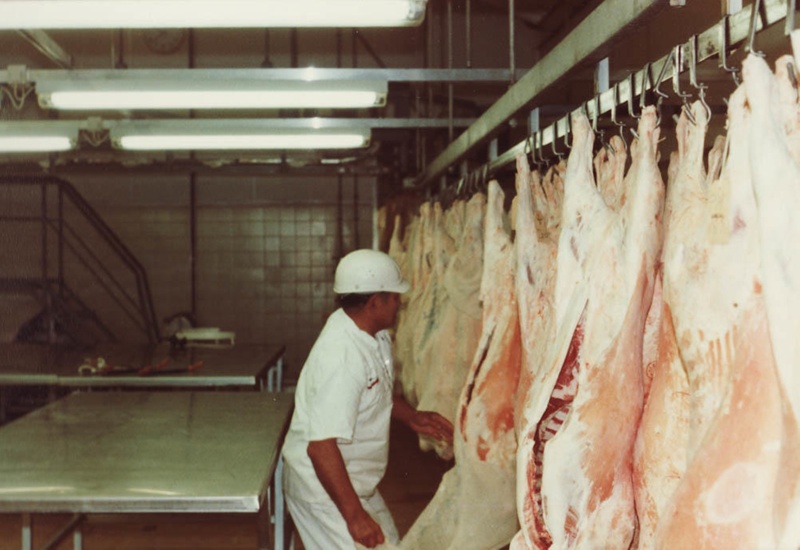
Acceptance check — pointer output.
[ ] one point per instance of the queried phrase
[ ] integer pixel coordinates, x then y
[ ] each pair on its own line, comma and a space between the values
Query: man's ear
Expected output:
373, 301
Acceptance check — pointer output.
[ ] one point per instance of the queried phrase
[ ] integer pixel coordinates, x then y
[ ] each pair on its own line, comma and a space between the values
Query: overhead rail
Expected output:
729, 33
587, 40
20, 75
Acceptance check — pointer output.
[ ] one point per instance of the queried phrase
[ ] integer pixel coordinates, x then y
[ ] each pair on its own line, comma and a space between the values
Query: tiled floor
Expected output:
410, 482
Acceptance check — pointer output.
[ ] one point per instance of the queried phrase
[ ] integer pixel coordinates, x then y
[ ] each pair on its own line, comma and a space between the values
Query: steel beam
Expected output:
586, 41
267, 74
34, 127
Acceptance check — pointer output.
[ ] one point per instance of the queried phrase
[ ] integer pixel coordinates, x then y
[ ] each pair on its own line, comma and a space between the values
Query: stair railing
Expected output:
138, 308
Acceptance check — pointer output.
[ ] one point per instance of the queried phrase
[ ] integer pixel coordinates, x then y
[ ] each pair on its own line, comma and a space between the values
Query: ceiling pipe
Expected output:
48, 47
512, 60
118, 50
450, 133
468, 19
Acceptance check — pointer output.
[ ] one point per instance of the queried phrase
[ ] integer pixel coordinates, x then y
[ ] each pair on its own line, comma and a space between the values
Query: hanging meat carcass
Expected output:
590, 400
456, 328
536, 246
732, 494
774, 149
609, 165
419, 265
432, 303
473, 507
662, 444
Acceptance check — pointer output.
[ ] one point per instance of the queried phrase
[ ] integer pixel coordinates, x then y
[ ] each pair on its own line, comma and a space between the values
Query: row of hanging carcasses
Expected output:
623, 372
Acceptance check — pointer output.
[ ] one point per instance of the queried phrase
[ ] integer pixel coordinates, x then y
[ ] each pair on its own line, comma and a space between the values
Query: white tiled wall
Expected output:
266, 249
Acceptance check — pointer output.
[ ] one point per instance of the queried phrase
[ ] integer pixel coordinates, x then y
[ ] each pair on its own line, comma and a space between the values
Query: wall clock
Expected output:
164, 41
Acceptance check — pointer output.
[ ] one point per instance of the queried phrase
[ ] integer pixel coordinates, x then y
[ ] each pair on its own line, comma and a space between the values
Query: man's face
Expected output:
388, 304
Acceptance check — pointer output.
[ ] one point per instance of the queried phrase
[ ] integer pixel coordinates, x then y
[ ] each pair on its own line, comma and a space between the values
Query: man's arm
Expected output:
329, 466
423, 422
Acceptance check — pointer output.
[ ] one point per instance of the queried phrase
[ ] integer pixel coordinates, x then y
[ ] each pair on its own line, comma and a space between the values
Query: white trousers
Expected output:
322, 527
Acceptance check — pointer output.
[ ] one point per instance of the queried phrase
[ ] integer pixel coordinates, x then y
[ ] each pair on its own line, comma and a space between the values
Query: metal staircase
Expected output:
87, 285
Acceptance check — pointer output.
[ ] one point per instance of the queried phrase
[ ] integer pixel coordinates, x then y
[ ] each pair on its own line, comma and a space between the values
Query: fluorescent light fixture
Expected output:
206, 135
242, 142
36, 137
77, 94
133, 14
34, 144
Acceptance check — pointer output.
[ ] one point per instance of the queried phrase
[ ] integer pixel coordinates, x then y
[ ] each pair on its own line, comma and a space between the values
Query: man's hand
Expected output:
365, 530
423, 422
432, 424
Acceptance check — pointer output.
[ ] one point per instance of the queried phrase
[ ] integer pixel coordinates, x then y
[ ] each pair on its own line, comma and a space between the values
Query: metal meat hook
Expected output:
657, 87
632, 87
568, 130
724, 30
595, 120
540, 147
557, 153
526, 150
693, 79
753, 25
677, 62
620, 125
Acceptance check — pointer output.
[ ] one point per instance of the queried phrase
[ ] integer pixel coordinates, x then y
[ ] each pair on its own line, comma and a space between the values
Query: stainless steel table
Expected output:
244, 366
31, 364
145, 452
241, 365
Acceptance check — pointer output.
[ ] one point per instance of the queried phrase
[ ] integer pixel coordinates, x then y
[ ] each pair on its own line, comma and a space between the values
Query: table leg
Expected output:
264, 528
27, 534
271, 379
280, 516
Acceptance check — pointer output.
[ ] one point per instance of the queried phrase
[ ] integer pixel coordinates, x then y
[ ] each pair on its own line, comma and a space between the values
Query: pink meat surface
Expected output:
587, 399
536, 250
774, 150
474, 505
587, 486
743, 444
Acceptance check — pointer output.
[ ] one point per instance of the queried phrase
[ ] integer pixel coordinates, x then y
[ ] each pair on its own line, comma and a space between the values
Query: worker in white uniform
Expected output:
338, 442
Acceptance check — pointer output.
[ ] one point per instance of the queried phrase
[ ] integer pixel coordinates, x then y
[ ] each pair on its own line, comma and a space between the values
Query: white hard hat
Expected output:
366, 271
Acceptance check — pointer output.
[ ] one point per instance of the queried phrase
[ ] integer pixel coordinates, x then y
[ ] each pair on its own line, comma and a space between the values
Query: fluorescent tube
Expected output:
281, 141
34, 144
99, 100
317, 95
131, 14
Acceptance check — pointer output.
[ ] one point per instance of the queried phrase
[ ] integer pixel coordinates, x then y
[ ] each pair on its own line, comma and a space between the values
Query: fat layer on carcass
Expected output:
661, 450
606, 264
443, 364
473, 507
774, 148
433, 301
536, 246
419, 263
730, 495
